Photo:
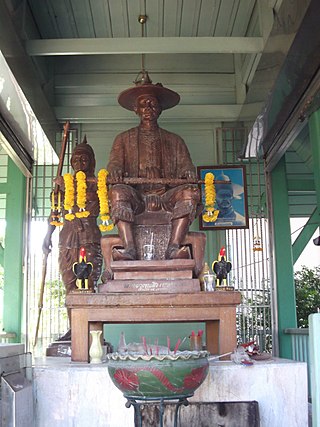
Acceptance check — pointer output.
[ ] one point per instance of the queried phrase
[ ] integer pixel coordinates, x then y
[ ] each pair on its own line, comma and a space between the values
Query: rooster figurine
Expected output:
221, 267
82, 270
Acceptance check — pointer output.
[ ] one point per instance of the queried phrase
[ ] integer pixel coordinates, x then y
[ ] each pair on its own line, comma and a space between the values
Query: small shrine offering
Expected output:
196, 340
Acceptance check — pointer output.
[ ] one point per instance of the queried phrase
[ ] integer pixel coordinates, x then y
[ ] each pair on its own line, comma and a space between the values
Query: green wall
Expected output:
13, 253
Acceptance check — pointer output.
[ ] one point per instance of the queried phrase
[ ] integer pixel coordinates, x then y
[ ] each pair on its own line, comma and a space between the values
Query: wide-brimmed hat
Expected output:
166, 97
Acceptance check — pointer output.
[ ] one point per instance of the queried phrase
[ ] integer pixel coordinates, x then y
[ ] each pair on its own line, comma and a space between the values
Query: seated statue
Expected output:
158, 157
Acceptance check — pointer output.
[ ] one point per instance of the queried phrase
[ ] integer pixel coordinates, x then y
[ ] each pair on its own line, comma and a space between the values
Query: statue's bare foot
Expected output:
124, 254
106, 275
174, 252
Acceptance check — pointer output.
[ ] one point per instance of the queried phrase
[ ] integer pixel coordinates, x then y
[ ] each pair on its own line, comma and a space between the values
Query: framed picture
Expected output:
231, 197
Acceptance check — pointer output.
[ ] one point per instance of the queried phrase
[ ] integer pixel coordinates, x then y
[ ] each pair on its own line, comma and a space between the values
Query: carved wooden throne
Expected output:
155, 227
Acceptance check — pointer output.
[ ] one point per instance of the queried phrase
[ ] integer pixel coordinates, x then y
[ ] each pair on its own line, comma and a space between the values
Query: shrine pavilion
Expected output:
248, 76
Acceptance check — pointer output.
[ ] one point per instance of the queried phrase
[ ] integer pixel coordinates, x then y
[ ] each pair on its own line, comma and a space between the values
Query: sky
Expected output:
310, 257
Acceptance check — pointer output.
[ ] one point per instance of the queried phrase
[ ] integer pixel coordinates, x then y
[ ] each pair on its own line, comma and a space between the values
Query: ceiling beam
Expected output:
92, 80
181, 113
139, 45
241, 90
301, 186
251, 62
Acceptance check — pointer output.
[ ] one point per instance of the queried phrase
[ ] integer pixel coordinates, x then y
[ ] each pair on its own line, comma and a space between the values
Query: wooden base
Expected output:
216, 309
156, 285
154, 269
170, 276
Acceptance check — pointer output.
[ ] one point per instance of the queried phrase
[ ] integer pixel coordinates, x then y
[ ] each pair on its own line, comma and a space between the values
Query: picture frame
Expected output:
231, 197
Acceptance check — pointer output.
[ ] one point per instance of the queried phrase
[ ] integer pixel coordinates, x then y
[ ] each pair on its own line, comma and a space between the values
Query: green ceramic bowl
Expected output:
153, 376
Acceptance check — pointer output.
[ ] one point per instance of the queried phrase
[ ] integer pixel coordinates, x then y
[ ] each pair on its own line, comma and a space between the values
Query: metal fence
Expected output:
300, 348
52, 311
248, 249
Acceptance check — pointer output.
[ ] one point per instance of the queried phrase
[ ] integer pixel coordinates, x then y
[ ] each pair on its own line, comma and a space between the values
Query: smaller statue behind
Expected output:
80, 227
151, 153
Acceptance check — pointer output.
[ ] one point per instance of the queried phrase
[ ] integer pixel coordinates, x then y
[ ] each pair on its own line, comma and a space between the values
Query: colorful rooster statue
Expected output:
221, 267
82, 270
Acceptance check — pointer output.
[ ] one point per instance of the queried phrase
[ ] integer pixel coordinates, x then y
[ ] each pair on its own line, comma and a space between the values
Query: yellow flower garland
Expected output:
103, 201
56, 209
211, 214
69, 196
81, 195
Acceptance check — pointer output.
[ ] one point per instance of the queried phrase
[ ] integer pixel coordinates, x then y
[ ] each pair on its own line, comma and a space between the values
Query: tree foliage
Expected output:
307, 283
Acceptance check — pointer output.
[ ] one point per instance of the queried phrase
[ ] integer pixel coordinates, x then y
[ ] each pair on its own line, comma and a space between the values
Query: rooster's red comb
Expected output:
82, 252
222, 251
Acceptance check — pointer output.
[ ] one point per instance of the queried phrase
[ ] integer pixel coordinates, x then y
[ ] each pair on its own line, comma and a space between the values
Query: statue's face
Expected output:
148, 108
80, 162
224, 198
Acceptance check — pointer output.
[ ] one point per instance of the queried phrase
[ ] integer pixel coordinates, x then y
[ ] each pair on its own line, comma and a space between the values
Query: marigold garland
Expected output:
81, 195
69, 196
103, 201
211, 214
56, 209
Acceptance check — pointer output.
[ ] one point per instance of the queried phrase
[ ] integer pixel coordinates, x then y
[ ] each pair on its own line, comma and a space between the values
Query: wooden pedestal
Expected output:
216, 309
170, 276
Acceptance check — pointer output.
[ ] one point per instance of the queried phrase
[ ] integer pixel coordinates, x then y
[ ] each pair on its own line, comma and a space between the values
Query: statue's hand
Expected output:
47, 245
153, 202
59, 181
116, 175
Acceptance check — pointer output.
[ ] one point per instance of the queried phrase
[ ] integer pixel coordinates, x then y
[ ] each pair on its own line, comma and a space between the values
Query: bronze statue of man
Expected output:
148, 151
79, 232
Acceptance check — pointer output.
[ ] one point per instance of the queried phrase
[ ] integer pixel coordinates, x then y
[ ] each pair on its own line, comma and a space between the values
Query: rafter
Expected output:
138, 45
181, 113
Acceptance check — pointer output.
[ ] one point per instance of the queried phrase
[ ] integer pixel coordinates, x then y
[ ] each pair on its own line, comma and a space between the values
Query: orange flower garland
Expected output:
56, 209
69, 196
103, 201
211, 214
81, 195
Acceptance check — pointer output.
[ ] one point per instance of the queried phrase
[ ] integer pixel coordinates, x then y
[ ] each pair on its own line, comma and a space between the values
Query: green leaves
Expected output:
307, 283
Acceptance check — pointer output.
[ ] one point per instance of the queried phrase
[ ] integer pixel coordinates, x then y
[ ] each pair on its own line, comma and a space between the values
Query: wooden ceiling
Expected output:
73, 57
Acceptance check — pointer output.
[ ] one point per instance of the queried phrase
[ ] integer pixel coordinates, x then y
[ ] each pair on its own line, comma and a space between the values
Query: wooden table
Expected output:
216, 309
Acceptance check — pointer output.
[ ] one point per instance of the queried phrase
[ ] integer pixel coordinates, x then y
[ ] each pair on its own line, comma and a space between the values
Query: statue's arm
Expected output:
47, 241
115, 165
186, 168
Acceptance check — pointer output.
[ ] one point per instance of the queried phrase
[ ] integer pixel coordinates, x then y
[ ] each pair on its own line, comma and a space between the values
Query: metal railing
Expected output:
300, 349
